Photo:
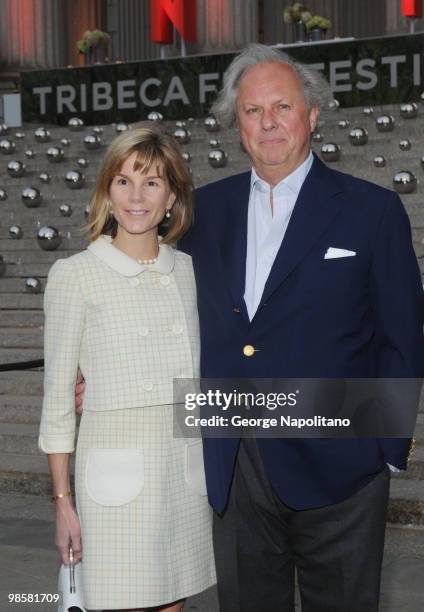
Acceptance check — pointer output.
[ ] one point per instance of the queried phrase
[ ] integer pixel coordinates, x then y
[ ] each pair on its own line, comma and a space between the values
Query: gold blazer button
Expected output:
248, 350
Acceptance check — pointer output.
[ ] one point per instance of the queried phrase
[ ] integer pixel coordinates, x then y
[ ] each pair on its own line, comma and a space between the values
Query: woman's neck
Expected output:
138, 246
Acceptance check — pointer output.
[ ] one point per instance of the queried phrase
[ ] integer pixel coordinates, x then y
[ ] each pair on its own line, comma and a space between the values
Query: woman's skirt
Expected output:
145, 518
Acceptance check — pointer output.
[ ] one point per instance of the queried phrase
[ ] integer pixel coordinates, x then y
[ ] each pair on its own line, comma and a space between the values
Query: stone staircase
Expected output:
22, 468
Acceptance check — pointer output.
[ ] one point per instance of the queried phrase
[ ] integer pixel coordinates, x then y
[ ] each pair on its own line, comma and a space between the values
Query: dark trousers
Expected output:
337, 550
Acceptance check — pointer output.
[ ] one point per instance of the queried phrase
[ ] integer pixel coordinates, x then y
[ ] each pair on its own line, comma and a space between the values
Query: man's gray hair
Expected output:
315, 86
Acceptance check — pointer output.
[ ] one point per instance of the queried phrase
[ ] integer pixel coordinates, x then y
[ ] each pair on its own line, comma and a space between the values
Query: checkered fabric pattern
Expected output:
130, 335
145, 518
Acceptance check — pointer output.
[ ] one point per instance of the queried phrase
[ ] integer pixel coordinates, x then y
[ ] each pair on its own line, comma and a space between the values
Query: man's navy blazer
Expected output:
351, 317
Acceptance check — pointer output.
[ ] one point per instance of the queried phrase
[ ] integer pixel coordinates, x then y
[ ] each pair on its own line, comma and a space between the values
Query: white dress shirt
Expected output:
266, 228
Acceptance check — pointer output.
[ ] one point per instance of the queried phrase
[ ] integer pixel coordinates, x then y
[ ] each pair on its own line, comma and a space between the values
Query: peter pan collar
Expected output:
126, 265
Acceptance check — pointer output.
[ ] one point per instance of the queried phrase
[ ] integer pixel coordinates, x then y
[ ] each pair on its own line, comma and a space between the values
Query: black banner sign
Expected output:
368, 71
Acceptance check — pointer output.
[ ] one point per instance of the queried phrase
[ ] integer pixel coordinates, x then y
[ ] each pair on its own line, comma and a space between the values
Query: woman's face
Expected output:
139, 200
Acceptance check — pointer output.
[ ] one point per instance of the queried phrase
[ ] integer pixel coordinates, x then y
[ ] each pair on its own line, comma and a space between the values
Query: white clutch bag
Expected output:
70, 588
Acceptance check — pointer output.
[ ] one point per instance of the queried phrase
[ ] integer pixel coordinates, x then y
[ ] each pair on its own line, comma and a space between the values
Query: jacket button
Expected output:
177, 329
164, 280
134, 282
236, 310
248, 350
143, 331
148, 385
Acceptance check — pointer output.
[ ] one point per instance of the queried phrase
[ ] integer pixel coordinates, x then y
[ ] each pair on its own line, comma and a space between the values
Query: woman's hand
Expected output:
68, 531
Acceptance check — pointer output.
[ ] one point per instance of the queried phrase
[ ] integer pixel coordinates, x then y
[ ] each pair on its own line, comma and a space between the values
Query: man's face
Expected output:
273, 119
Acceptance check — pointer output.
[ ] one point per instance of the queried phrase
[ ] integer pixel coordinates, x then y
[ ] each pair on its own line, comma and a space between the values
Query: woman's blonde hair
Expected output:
153, 148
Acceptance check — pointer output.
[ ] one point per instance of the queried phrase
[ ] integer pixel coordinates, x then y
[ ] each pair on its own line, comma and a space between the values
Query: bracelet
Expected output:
61, 495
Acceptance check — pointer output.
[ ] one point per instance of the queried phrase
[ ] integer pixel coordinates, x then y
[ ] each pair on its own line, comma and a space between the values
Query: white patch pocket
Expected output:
194, 471
114, 476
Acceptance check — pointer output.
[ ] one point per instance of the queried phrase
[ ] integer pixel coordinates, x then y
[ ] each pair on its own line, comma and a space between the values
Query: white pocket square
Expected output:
333, 253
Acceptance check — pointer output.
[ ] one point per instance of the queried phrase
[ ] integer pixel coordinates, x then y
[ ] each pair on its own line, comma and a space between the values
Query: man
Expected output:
272, 306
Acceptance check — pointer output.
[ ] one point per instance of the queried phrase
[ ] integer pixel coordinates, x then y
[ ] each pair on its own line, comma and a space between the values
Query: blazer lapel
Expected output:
234, 238
315, 208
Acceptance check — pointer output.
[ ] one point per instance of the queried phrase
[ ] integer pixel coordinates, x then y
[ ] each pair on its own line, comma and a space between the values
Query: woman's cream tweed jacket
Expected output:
131, 328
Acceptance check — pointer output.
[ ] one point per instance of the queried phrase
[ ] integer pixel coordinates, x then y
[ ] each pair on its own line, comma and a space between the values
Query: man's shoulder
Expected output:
360, 186
221, 186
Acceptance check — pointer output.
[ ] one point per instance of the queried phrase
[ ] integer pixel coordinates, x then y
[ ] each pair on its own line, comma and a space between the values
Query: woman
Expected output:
124, 311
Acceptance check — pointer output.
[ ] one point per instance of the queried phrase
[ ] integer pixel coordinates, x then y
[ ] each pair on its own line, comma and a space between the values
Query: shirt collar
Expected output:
293, 181
126, 265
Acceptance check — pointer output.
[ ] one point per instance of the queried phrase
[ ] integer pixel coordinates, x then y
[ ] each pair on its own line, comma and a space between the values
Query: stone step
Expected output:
21, 383
37, 256
31, 269
12, 285
20, 409
405, 540
406, 504
30, 244
20, 319
26, 474
19, 355
19, 438
29, 221
19, 301
21, 339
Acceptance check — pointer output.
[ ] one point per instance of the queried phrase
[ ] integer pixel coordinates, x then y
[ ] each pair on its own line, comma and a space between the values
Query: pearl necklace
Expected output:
147, 262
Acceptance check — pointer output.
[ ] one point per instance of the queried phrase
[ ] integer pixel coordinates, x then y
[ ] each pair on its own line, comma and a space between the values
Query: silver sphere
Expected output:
343, 124
214, 143
31, 197
405, 144
97, 129
65, 142
83, 162
368, 111
180, 124
55, 154
217, 158
212, 124
317, 137
182, 135
16, 168
30, 154
75, 124
33, 285
385, 123
20, 135
3, 194
44, 177
122, 127
92, 141
379, 161
186, 156
358, 136
7, 146
155, 116
65, 210
74, 179
16, 232
41, 134
330, 152
405, 182
48, 238
3, 128
87, 211
409, 110
2, 266
334, 104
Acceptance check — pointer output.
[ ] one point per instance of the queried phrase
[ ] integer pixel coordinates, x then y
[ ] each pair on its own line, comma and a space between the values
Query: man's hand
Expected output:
79, 392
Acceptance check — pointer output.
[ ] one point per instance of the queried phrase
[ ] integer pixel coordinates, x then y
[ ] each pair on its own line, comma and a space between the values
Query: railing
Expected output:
22, 365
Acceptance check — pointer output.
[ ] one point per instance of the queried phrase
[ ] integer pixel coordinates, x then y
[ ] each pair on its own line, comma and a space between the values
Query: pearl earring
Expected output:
168, 214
